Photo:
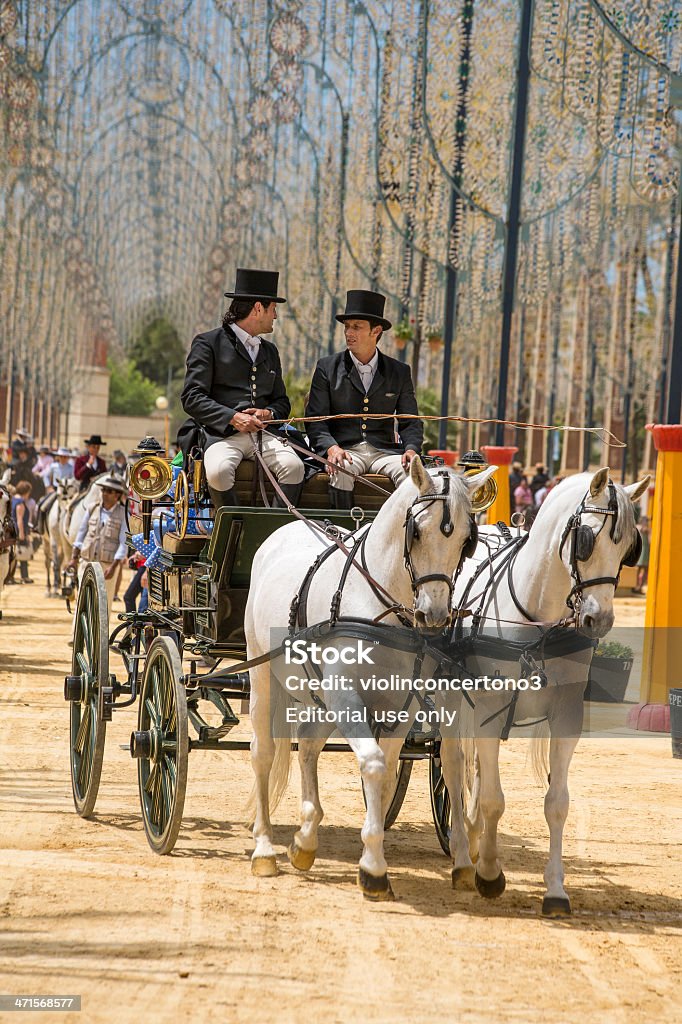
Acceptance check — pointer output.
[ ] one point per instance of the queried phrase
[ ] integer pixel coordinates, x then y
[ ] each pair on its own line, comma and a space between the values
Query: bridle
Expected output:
582, 540
412, 533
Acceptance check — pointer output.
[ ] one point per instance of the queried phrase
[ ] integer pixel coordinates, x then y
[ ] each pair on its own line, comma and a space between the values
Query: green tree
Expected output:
158, 353
130, 392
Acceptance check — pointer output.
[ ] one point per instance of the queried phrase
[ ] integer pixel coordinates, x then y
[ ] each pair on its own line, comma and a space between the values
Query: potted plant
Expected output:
609, 672
403, 332
434, 340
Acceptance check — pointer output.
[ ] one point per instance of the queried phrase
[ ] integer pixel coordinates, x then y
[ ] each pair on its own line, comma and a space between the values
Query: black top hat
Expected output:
256, 284
95, 439
364, 305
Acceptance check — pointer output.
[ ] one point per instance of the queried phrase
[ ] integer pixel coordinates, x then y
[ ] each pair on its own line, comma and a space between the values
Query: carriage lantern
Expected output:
150, 479
471, 463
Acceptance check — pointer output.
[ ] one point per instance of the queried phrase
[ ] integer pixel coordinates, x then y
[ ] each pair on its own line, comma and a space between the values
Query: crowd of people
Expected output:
33, 474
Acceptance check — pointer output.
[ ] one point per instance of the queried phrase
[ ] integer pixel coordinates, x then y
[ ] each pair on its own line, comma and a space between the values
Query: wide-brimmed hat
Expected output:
364, 305
63, 451
113, 483
95, 439
23, 432
256, 284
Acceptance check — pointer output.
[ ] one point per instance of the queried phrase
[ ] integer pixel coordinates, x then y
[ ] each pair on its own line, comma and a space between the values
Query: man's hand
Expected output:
336, 455
111, 571
246, 423
407, 459
265, 415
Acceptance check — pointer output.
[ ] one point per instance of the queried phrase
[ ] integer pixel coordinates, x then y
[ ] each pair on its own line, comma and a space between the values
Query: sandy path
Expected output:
88, 909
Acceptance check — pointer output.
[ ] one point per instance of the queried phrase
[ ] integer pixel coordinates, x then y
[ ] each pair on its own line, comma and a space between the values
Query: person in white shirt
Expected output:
102, 534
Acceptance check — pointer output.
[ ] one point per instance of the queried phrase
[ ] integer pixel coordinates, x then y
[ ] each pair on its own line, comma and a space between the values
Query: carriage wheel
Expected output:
90, 664
441, 808
402, 780
161, 744
181, 505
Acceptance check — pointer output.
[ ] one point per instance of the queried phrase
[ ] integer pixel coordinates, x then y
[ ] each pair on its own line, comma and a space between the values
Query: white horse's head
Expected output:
593, 531
66, 490
439, 532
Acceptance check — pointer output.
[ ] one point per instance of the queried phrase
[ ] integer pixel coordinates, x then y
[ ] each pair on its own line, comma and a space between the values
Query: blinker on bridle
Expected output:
583, 540
446, 528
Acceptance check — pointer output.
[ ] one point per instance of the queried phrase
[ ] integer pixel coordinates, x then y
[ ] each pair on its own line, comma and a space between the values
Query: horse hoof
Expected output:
463, 879
264, 867
377, 889
556, 906
299, 858
491, 888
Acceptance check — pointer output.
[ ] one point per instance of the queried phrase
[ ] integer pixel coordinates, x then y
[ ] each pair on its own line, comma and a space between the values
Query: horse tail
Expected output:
281, 765
539, 754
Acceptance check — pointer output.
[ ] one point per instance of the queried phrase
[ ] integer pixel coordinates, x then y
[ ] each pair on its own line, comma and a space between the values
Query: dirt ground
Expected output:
87, 909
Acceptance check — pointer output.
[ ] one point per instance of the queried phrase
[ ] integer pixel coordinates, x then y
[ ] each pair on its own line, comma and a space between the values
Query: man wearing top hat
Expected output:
363, 380
234, 387
90, 465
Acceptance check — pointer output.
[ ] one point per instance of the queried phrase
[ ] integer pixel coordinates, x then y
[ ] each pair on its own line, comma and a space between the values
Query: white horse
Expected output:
567, 568
7, 533
51, 535
412, 551
72, 512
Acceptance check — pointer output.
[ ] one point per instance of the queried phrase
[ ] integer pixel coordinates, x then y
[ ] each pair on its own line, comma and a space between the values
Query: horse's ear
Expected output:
636, 490
476, 480
599, 481
418, 475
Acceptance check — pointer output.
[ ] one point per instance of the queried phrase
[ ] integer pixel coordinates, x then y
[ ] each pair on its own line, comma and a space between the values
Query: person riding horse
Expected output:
234, 387
363, 380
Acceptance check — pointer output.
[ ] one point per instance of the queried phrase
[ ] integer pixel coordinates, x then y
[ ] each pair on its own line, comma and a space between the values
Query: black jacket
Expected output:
222, 380
337, 388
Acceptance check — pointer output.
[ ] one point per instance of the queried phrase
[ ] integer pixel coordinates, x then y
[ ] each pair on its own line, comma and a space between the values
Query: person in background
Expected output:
23, 440
515, 474
523, 496
61, 469
90, 465
21, 514
136, 587
102, 534
540, 479
119, 467
542, 493
43, 463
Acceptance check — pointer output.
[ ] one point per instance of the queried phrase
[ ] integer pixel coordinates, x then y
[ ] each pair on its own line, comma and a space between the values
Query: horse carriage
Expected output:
218, 597
198, 589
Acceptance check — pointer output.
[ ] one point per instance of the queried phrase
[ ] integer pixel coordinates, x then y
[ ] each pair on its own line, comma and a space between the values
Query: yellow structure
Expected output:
662, 660
498, 455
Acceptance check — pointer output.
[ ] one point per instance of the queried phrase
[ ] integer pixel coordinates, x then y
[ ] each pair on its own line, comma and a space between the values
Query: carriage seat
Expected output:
191, 545
315, 490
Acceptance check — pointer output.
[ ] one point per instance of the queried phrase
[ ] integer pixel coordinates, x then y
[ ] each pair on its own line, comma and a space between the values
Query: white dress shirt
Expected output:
367, 370
252, 345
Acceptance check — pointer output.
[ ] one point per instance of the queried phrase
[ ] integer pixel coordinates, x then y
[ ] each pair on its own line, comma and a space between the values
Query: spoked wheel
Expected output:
161, 744
402, 781
441, 808
87, 688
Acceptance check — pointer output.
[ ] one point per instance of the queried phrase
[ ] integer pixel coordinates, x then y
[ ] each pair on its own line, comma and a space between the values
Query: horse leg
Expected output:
303, 848
263, 860
474, 816
556, 902
452, 766
373, 870
391, 748
490, 880
47, 555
